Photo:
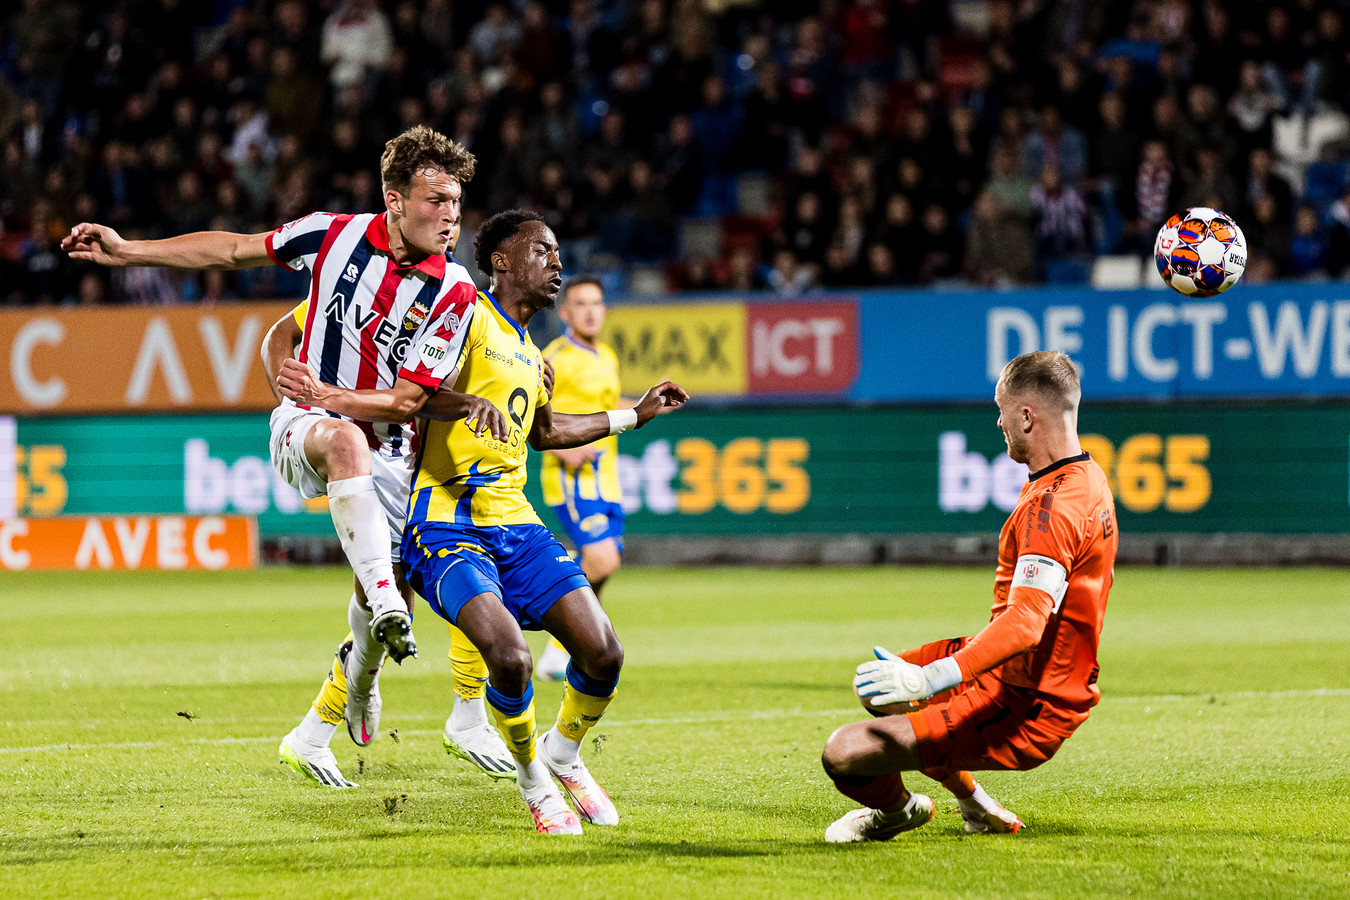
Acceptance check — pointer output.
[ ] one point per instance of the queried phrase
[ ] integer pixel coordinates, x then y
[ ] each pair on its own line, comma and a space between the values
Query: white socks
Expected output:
559, 749
468, 714
367, 653
314, 731
977, 802
363, 530
533, 778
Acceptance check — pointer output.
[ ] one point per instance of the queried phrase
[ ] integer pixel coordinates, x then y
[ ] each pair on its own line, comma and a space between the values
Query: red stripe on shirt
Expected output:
367, 376
462, 297
339, 222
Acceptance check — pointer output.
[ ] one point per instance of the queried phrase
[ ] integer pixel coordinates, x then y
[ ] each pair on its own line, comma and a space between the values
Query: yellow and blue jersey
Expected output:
478, 480
584, 381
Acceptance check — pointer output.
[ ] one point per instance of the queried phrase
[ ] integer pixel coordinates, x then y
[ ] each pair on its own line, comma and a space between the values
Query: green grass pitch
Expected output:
142, 712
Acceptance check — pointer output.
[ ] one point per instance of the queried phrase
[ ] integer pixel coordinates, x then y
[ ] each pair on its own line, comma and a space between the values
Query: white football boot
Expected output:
552, 665
483, 746
361, 711
550, 811
874, 825
988, 818
582, 789
315, 763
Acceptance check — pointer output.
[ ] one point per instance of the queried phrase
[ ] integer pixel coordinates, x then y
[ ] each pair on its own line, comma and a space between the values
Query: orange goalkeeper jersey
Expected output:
1056, 562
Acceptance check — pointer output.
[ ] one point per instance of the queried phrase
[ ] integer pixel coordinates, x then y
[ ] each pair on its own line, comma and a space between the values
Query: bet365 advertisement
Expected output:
799, 470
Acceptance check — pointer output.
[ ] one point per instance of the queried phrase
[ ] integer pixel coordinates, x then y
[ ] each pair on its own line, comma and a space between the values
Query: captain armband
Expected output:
620, 420
1044, 574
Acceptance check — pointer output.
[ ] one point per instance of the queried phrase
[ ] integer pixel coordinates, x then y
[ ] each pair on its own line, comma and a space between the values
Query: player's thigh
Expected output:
337, 449
601, 559
990, 726
497, 635
582, 626
876, 747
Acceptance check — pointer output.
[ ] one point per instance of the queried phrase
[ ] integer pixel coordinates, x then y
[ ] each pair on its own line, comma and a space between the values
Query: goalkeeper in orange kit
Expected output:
1007, 698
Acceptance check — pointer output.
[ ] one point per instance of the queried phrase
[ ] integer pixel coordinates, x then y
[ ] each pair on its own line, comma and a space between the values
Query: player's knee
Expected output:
510, 667
606, 661
841, 752
833, 758
342, 447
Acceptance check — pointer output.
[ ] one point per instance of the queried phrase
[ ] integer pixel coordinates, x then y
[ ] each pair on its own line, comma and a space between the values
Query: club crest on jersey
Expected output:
416, 315
1030, 571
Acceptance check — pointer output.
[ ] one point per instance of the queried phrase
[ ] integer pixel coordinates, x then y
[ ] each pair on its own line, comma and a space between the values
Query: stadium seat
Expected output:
1298, 141
647, 279
754, 194
743, 231
1117, 272
700, 237
1067, 270
716, 196
1323, 182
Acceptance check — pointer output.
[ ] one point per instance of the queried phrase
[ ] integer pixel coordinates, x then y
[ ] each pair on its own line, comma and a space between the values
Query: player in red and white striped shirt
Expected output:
387, 304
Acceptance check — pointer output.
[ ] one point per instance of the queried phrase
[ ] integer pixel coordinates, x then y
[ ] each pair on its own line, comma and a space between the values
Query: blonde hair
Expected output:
1048, 374
421, 148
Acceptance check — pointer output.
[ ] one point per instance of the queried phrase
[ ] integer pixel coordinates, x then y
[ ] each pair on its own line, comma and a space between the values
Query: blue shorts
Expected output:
523, 565
591, 521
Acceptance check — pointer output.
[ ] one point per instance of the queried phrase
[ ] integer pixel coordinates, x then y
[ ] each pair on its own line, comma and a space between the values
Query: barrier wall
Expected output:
892, 347
1259, 468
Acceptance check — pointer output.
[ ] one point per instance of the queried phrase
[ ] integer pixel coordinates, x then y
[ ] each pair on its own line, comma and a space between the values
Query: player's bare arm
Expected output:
100, 244
403, 402
554, 431
278, 346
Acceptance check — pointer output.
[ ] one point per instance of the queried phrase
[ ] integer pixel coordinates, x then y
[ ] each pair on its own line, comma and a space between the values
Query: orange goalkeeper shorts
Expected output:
991, 725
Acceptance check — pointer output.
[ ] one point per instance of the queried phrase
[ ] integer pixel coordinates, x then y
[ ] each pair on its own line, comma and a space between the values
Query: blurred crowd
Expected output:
779, 145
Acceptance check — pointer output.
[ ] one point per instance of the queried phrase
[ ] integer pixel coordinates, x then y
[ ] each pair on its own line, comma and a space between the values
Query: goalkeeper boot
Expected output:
393, 628
483, 746
551, 813
362, 709
988, 817
580, 785
874, 825
315, 763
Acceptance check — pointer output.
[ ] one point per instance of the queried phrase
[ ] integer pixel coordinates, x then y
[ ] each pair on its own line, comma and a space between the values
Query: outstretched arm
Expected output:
554, 431
401, 403
199, 250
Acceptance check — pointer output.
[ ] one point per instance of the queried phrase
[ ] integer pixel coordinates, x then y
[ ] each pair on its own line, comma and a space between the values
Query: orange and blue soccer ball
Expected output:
1200, 252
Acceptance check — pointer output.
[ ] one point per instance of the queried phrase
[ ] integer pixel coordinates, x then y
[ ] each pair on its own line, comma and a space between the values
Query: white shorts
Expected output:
290, 425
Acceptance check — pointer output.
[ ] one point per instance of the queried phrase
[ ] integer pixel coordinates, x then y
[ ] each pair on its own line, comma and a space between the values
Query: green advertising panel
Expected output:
1250, 468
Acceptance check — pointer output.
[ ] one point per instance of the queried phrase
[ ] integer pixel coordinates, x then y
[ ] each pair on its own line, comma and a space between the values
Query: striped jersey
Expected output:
369, 321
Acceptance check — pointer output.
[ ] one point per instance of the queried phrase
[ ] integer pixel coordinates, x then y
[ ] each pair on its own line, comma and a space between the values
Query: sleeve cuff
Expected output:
943, 674
427, 379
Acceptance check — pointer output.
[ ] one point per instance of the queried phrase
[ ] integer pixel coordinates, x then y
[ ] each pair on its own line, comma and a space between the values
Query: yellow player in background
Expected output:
581, 485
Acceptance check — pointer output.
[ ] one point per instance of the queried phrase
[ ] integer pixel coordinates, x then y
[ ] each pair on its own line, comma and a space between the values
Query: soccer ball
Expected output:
1200, 252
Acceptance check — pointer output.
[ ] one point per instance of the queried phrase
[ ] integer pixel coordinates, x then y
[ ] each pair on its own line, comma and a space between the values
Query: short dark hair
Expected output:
578, 281
497, 229
421, 148
1049, 374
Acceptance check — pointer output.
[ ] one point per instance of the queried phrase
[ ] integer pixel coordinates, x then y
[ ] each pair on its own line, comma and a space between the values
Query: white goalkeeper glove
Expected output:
889, 679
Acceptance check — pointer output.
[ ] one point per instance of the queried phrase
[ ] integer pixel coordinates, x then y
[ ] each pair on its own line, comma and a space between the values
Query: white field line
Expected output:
654, 720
